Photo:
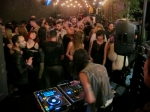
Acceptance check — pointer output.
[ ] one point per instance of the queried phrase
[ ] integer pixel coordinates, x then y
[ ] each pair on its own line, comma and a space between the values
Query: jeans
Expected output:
52, 76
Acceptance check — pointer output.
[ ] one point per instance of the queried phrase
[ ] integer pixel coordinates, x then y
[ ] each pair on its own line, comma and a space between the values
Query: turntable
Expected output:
51, 100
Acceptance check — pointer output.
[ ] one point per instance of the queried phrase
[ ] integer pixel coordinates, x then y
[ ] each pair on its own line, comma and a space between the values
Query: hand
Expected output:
29, 61
74, 83
91, 59
70, 58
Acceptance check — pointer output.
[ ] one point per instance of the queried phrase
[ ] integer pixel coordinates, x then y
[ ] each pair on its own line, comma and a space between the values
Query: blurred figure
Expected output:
53, 56
22, 31
95, 81
35, 26
20, 66
60, 32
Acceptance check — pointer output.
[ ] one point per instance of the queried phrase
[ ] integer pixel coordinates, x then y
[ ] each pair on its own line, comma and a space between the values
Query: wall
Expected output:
22, 9
112, 10
3, 79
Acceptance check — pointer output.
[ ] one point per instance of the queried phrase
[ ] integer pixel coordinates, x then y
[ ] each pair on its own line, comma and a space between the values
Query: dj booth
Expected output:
65, 98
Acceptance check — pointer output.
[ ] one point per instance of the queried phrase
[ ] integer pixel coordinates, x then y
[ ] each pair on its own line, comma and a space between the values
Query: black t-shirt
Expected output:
53, 52
109, 33
87, 30
66, 40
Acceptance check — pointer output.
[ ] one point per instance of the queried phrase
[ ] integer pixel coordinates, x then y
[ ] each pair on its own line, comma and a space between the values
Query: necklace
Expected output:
99, 45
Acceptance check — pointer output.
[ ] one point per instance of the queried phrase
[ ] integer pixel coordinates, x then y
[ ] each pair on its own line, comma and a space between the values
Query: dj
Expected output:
95, 82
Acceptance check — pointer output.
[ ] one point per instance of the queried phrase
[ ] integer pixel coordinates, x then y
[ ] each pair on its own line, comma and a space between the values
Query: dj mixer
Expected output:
63, 98
72, 94
52, 100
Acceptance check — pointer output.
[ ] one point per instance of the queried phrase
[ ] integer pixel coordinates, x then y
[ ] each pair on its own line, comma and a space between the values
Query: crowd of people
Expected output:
41, 53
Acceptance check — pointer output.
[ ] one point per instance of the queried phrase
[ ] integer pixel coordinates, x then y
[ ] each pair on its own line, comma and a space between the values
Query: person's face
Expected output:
59, 27
100, 37
32, 35
43, 22
22, 42
74, 21
16, 30
46, 25
111, 27
31, 23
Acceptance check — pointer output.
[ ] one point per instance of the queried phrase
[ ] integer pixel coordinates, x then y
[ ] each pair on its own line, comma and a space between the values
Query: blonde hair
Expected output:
78, 40
22, 31
98, 27
8, 34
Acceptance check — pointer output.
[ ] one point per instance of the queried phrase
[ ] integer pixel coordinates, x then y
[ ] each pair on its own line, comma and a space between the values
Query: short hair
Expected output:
52, 33
110, 23
33, 19
23, 22
15, 39
100, 32
59, 22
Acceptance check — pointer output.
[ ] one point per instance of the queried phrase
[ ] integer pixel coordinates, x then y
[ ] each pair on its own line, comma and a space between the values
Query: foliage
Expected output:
131, 7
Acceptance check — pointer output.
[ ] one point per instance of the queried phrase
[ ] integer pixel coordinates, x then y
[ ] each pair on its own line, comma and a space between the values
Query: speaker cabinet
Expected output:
3, 79
124, 38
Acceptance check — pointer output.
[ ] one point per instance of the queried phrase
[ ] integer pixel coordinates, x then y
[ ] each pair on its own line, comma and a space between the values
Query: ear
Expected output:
17, 44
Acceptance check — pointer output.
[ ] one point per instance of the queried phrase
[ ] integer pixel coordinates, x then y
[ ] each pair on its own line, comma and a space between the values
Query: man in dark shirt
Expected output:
20, 66
54, 54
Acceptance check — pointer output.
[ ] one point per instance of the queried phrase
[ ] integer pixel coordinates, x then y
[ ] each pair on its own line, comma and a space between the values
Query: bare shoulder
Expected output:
84, 78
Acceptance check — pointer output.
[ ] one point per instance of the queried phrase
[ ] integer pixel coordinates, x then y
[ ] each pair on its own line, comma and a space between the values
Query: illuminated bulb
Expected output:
75, 1
66, 1
71, 4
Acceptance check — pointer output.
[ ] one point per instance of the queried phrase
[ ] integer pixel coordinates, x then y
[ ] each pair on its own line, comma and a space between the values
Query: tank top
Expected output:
97, 52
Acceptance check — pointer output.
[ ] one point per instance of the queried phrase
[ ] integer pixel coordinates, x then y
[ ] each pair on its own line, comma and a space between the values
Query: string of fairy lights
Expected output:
78, 3
71, 3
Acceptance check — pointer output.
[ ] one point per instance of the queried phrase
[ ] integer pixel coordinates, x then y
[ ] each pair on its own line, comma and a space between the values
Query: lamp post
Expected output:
143, 23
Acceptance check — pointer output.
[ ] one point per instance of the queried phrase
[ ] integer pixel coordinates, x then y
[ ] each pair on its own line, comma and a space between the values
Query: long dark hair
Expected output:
80, 60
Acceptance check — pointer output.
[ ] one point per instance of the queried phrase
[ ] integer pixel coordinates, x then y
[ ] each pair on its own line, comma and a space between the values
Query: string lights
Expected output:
78, 3
72, 3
